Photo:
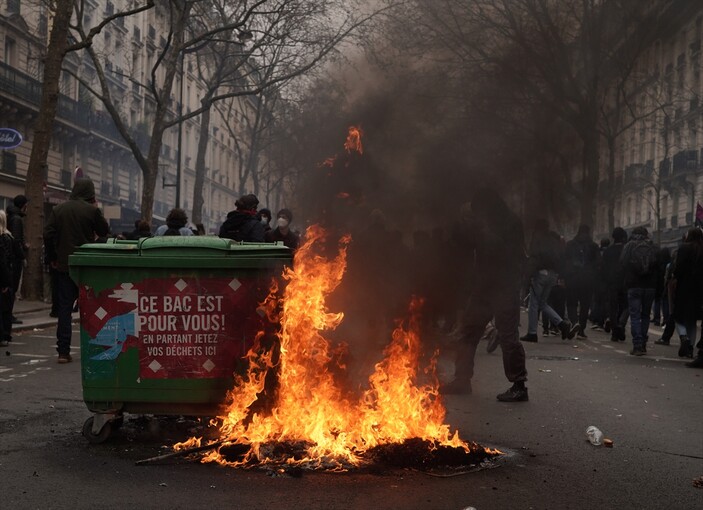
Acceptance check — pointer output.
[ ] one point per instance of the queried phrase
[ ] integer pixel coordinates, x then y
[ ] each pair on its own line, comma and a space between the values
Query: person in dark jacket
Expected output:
639, 263
612, 273
580, 269
176, 222
6, 294
688, 291
282, 232
661, 302
16, 213
71, 224
242, 223
545, 259
499, 256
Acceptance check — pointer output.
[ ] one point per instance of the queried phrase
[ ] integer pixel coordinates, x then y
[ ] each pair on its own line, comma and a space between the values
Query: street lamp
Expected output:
180, 135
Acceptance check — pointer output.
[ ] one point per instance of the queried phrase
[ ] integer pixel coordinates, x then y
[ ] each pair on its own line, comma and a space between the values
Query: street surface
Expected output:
649, 406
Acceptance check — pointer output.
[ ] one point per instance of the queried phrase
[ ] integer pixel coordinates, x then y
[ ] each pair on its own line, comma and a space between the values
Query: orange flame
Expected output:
353, 142
310, 405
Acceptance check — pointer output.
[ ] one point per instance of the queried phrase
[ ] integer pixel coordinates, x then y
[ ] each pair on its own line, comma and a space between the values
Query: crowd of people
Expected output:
622, 279
79, 220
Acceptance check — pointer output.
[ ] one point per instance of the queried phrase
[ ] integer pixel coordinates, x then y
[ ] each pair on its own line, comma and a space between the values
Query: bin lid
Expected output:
180, 252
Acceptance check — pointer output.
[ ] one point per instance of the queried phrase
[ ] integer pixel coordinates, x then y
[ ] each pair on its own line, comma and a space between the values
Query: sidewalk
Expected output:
34, 315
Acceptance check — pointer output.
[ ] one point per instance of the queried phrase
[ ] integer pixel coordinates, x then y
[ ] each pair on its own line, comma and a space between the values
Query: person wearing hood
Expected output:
580, 270
639, 263
265, 218
282, 232
16, 213
242, 223
73, 223
499, 258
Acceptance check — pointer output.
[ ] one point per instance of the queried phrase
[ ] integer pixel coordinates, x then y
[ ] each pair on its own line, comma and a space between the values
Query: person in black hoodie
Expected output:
15, 224
499, 256
242, 223
613, 277
580, 269
639, 262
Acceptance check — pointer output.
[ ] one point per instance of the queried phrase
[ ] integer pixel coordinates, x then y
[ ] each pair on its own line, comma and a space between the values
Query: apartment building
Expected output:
85, 135
659, 158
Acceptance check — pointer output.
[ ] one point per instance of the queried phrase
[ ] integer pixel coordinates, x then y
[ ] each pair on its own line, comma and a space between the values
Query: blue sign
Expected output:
9, 138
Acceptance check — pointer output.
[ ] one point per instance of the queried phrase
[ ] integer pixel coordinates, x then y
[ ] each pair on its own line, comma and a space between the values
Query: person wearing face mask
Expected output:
265, 218
282, 232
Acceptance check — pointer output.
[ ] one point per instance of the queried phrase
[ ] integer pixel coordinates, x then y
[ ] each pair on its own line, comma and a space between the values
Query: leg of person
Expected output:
572, 303
656, 311
67, 293
624, 314
536, 290
585, 297
507, 315
5, 318
647, 299
634, 299
669, 327
473, 326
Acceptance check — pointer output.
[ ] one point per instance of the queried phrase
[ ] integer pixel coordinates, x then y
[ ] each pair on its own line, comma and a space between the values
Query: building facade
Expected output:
659, 157
85, 136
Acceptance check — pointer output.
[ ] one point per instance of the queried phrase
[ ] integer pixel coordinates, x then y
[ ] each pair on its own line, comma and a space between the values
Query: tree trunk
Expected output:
43, 128
591, 161
611, 183
197, 214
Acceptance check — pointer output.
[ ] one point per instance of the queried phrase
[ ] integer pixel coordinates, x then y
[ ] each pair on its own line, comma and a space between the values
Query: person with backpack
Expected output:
242, 224
580, 270
544, 262
615, 284
639, 264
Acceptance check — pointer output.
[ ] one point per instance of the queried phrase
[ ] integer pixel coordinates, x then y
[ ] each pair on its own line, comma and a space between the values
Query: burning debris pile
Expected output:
314, 418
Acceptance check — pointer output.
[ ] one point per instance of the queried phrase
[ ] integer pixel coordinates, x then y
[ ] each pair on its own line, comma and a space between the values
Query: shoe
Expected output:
567, 330
456, 387
661, 341
15, 320
529, 337
597, 327
638, 351
614, 338
53, 314
514, 394
4, 343
686, 349
581, 335
606, 326
64, 358
546, 332
696, 363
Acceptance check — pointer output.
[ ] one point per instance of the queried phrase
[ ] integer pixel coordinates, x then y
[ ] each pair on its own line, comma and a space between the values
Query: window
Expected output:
10, 52
13, 6
9, 162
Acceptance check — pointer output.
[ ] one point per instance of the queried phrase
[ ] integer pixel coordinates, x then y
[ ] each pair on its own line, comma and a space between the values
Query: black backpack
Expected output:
643, 257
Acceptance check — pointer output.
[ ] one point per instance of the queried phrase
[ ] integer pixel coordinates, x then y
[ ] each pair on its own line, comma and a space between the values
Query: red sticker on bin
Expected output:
184, 328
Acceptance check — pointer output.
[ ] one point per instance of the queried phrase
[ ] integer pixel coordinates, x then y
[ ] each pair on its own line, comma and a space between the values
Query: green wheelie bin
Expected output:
165, 322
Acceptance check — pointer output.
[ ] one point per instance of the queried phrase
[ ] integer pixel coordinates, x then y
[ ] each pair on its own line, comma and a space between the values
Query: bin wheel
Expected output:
101, 436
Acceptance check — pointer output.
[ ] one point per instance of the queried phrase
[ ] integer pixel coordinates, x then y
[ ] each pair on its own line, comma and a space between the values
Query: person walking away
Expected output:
639, 261
71, 224
600, 299
15, 224
7, 244
545, 257
499, 246
242, 224
580, 271
614, 277
282, 232
661, 302
176, 221
688, 288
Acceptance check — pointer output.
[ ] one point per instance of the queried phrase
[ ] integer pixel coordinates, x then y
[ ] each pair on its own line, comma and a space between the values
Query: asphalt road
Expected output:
649, 406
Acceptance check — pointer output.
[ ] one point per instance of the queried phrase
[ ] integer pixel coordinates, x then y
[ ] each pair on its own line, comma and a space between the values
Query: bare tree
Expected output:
60, 44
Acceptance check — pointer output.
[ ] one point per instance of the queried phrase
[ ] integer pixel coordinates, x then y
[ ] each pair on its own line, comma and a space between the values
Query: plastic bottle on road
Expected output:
595, 436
